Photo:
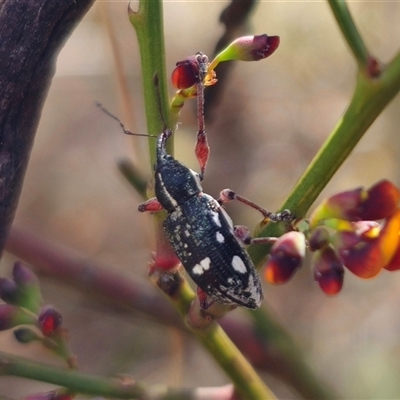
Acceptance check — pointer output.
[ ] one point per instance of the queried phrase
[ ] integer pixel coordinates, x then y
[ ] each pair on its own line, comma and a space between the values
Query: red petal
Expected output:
381, 202
186, 73
368, 257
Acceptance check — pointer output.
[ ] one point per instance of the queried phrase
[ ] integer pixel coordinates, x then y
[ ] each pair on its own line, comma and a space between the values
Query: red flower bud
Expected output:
286, 257
190, 71
328, 270
186, 73
49, 320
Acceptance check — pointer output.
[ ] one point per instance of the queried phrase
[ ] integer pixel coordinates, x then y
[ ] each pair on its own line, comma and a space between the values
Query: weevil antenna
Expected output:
102, 108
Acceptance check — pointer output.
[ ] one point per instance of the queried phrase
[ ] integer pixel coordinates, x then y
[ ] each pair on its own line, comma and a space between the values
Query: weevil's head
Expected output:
174, 182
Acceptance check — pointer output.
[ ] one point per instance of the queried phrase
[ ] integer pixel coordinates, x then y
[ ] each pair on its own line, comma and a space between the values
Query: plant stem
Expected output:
84, 384
149, 27
350, 32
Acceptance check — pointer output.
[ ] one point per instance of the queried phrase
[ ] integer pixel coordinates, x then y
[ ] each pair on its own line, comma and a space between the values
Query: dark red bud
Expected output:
328, 271
186, 73
285, 258
49, 320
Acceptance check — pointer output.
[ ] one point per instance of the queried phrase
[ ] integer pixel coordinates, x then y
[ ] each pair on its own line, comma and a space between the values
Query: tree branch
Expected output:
32, 33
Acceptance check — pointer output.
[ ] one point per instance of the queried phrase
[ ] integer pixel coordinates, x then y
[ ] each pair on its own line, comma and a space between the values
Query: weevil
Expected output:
200, 231
202, 234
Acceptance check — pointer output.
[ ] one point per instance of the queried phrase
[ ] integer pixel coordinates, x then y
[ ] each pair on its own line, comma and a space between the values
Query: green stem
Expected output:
242, 374
149, 27
370, 97
350, 32
84, 384
219, 345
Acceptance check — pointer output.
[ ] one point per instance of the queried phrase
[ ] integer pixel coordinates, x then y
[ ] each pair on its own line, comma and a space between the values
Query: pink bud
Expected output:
254, 48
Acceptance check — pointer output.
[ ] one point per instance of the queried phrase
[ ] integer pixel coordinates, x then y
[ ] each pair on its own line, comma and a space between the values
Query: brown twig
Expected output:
31, 35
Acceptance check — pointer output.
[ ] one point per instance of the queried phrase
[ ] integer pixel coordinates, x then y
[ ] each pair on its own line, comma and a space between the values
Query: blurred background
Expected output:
264, 130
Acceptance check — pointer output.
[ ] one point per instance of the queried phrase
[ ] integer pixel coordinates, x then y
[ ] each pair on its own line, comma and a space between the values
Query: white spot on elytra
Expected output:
220, 237
215, 217
238, 265
204, 265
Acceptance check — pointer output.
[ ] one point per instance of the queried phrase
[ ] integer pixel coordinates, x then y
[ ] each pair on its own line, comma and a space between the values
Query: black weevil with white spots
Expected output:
199, 229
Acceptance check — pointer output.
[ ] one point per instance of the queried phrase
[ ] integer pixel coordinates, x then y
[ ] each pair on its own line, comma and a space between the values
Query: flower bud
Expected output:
25, 335
8, 291
28, 294
49, 320
192, 70
328, 270
286, 257
11, 316
186, 73
23, 276
250, 48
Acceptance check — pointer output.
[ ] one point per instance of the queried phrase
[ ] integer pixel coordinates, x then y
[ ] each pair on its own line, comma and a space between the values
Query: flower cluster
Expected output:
343, 232
24, 312
23, 306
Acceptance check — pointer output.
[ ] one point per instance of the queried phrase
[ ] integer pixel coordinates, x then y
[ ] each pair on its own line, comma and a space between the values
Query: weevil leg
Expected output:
202, 148
151, 205
242, 233
228, 195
